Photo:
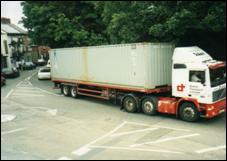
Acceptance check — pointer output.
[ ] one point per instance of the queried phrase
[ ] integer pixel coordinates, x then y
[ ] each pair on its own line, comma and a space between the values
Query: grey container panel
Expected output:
120, 66
66, 64
132, 65
159, 65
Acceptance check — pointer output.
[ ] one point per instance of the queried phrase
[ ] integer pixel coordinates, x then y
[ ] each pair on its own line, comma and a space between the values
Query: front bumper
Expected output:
215, 109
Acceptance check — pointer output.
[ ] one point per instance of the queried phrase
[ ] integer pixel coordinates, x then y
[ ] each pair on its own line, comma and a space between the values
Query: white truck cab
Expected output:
197, 76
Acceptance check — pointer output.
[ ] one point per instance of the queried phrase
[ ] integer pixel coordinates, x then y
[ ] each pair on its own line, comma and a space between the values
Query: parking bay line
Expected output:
19, 83
158, 126
27, 95
165, 140
64, 158
12, 131
28, 91
210, 149
133, 132
47, 92
26, 87
85, 149
10, 92
136, 149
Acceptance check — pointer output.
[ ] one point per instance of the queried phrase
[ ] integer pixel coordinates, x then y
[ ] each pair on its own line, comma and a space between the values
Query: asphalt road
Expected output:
37, 122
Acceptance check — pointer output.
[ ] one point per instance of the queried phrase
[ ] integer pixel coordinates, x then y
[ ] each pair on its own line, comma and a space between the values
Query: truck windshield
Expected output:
217, 76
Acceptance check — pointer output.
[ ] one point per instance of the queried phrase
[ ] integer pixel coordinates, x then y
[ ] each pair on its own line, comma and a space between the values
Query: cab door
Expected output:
180, 79
197, 85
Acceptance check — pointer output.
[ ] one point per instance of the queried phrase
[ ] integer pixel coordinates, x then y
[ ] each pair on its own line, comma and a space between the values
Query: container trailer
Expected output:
148, 77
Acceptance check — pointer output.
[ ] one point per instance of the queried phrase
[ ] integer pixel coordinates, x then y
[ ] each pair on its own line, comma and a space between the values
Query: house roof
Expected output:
12, 29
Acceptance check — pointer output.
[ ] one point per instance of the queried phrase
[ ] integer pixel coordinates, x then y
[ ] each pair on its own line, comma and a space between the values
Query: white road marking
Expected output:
19, 84
157, 126
27, 95
36, 89
132, 132
136, 149
64, 158
47, 92
30, 83
52, 112
81, 151
166, 139
7, 118
27, 91
33, 74
85, 149
10, 92
28, 78
27, 88
210, 149
12, 131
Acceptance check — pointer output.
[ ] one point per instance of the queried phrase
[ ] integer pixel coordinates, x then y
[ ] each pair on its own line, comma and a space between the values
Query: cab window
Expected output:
197, 76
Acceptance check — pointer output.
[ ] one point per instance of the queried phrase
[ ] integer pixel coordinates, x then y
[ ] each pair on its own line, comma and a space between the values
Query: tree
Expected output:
83, 23
63, 24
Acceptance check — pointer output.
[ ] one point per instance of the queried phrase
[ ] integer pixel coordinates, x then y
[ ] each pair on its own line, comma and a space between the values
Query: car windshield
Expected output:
217, 76
46, 70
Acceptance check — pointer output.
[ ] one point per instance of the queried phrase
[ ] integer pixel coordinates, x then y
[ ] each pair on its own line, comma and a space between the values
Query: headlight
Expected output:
210, 108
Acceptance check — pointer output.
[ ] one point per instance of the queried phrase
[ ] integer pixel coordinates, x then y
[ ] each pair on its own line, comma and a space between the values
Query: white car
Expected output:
44, 73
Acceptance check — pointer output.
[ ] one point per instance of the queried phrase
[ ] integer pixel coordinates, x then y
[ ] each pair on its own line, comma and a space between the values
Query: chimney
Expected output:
5, 20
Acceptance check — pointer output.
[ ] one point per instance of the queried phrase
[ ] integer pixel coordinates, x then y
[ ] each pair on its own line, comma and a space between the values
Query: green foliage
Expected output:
82, 23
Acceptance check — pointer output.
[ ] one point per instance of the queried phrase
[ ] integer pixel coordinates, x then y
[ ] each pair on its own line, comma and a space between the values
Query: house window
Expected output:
6, 46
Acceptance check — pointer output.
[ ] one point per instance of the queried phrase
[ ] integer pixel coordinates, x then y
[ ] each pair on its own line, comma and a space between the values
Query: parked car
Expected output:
3, 81
40, 62
44, 73
29, 66
10, 72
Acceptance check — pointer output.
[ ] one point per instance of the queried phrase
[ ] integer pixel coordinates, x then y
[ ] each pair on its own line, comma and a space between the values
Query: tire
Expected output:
66, 90
130, 104
188, 112
73, 92
149, 106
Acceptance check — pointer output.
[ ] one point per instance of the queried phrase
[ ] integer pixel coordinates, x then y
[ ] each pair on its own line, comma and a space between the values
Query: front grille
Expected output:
219, 94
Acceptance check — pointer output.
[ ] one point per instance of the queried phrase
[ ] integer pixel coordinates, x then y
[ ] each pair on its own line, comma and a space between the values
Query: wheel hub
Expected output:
129, 104
189, 112
148, 106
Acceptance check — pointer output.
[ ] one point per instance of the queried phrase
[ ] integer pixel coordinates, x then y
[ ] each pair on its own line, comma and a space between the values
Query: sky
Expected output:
12, 10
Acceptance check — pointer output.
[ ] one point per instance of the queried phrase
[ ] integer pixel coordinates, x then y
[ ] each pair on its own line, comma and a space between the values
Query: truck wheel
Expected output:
189, 112
130, 104
65, 90
149, 106
73, 92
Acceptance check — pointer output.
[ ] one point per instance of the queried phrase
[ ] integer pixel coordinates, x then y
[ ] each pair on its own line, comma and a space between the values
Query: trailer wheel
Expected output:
188, 112
149, 106
130, 104
66, 90
73, 92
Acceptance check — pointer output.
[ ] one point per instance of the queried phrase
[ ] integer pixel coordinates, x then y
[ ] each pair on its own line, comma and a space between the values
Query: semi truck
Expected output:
148, 77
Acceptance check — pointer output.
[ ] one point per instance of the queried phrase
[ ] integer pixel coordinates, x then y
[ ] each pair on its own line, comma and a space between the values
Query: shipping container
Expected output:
139, 65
